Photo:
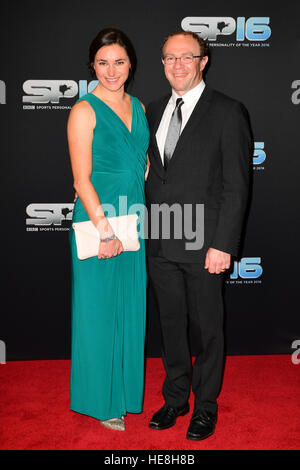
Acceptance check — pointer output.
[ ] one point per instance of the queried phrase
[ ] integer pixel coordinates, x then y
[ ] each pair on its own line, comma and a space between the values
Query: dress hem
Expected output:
104, 418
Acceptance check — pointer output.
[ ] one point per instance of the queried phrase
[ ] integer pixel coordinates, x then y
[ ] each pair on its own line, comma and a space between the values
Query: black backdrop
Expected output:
45, 45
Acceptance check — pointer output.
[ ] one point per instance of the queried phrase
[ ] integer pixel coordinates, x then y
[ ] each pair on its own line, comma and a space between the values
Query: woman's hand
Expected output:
110, 249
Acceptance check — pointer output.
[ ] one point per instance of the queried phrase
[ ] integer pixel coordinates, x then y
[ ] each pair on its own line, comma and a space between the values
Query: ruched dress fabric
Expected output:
109, 295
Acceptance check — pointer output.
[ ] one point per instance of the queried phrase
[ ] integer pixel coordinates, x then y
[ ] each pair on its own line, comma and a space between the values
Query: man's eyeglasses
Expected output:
184, 59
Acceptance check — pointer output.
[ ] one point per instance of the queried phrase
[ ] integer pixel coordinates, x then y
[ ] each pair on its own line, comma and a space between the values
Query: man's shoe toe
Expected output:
201, 427
166, 417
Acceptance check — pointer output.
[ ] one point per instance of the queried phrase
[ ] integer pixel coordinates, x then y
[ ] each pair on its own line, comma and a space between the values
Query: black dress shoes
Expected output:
202, 426
166, 417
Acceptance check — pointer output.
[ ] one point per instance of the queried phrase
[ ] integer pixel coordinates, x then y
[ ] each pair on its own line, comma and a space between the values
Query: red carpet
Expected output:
259, 408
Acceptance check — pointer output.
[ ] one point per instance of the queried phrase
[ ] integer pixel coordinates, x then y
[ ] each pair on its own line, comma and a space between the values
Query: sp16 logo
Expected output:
2, 352
51, 91
247, 268
2, 92
208, 27
259, 154
49, 214
296, 94
296, 354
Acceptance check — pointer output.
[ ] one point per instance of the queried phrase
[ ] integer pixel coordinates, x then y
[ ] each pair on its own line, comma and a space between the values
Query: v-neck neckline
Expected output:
131, 127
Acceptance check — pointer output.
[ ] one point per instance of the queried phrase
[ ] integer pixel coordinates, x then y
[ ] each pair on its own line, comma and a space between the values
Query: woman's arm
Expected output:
80, 128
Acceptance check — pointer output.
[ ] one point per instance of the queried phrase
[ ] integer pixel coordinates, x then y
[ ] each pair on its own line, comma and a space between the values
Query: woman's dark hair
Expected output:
107, 37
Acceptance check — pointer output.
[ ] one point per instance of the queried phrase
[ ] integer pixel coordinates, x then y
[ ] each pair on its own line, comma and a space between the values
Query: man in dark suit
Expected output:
199, 154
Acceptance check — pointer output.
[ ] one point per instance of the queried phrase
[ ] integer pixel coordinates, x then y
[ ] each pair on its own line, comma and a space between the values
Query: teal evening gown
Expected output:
109, 295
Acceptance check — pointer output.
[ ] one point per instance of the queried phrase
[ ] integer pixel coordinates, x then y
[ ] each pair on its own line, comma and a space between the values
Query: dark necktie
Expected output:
173, 132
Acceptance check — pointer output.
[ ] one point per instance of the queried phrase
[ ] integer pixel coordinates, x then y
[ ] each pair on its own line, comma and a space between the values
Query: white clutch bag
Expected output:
88, 237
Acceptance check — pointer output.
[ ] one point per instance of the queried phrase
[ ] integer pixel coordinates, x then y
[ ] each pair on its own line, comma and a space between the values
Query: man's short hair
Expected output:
203, 45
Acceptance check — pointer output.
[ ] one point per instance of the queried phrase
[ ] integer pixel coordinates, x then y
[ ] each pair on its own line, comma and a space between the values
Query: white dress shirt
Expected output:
190, 100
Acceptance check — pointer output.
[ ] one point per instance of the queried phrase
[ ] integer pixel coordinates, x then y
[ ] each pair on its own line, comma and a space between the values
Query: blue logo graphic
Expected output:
247, 268
259, 154
254, 29
85, 87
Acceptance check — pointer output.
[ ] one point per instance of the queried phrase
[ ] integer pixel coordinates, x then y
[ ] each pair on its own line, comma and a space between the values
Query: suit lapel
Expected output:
154, 146
198, 113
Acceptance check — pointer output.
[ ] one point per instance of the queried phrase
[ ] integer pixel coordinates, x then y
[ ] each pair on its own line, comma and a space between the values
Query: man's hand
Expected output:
217, 261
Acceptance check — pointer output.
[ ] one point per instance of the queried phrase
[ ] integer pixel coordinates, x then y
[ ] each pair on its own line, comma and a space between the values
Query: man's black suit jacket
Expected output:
210, 166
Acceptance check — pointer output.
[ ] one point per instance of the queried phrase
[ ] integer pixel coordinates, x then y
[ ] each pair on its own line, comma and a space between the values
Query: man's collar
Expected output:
190, 95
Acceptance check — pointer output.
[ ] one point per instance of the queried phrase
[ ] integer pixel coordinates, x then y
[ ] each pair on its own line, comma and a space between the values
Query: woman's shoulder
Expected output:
83, 104
138, 102
82, 109
87, 98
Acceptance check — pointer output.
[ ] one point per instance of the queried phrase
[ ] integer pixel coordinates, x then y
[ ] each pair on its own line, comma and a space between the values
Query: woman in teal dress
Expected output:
108, 139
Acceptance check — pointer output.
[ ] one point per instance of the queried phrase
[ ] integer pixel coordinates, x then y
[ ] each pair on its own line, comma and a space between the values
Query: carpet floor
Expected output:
259, 408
